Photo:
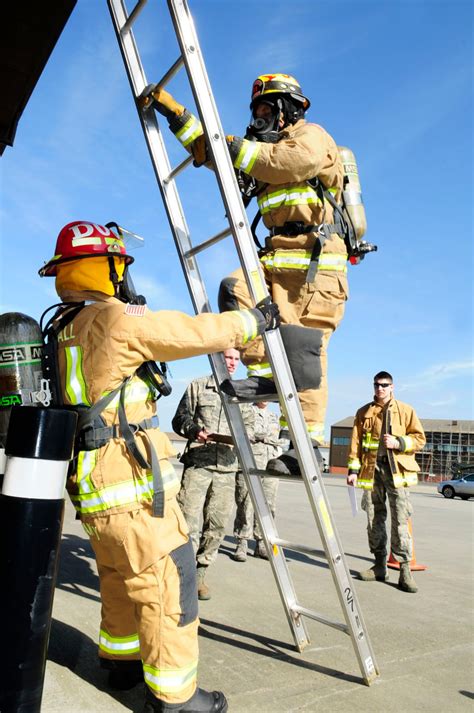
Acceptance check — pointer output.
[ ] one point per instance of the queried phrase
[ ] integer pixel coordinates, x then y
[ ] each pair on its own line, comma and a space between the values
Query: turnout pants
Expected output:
374, 503
149, 597
319, 305
210, 494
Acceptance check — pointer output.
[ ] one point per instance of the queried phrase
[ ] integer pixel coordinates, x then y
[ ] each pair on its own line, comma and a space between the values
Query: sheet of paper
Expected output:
353, 499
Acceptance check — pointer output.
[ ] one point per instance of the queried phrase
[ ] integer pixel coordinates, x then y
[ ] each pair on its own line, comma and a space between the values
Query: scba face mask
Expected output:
266, 128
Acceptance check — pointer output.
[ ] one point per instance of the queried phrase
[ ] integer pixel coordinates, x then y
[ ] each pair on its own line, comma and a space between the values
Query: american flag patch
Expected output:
135, 310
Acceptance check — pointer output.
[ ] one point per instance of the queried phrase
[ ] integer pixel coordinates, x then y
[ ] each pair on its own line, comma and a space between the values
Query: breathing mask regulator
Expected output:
152, 374
266, 125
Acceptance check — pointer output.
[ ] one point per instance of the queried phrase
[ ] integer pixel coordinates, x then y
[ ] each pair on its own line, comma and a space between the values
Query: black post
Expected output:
38, 447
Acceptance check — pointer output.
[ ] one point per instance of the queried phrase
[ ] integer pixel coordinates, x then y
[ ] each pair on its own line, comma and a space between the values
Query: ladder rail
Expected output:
187, 38
200, 301
239, 226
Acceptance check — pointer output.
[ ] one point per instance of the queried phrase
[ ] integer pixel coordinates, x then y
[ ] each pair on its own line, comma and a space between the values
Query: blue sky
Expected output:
390, 79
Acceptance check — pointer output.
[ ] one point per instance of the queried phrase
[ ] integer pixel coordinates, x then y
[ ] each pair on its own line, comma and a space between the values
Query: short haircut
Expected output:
384, 375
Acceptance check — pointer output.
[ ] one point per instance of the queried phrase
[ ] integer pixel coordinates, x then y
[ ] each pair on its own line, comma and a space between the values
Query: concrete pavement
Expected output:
422, 642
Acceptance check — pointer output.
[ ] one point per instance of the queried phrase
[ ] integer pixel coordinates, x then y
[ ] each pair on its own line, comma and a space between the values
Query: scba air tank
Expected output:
21, 376
352, 194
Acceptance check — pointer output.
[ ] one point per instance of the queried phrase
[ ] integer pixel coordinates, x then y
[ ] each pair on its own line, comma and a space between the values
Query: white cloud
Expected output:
437, 373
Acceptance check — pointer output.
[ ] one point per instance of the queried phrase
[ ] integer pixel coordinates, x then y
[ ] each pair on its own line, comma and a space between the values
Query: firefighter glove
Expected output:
270, 313
199, 151
161, 100
234, 144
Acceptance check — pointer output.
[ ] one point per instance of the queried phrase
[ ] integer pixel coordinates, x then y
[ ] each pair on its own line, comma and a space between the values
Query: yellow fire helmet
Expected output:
278, 83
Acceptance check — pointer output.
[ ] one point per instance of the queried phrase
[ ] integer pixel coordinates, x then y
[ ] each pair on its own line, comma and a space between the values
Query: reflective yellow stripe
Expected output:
289, 259
315, 430
119, 645
75, 382
170, 680
288, 197
136, 391
407, 444
260, 370
353, 464
332, 262
249, 323
247, 155
300, 260
408, 479
190, 131
365, 484
86, 462
369, 443
129, 491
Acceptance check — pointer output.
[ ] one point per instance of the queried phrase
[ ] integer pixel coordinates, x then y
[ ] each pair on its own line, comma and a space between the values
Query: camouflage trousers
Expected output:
374, 503
208, 494
245, 522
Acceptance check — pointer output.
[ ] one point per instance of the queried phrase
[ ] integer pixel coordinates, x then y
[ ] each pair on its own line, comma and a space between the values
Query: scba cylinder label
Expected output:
7, 400
20, 354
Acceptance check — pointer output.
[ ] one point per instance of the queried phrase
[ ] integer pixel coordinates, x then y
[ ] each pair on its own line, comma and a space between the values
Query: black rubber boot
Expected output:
201, 702
255, 388
287, 463
303, 349
123, 675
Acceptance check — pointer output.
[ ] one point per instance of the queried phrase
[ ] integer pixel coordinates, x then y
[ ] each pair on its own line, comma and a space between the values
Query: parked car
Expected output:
460, 485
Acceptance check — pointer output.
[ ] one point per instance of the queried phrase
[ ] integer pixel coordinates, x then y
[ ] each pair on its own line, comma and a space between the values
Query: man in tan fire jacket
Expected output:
122, 483
385, 436
304, 262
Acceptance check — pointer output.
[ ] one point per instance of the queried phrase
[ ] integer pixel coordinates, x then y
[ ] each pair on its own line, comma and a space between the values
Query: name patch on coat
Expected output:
135, 310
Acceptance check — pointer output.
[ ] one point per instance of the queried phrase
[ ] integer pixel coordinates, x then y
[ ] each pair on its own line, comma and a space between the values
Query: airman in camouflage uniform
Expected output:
208, 482
266, 445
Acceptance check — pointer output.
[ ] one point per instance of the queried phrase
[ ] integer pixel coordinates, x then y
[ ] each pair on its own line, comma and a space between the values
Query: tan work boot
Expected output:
406, 581
377, 573
204, 591
260, 550
240, 554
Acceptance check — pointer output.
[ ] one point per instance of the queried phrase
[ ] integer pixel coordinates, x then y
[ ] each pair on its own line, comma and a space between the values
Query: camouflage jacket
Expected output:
201, 407
266, 430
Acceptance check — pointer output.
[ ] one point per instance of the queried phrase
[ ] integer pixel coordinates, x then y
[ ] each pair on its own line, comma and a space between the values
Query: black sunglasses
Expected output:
379, 385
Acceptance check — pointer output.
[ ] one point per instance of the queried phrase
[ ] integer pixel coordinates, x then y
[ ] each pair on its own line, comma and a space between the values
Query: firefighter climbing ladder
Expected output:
191, 60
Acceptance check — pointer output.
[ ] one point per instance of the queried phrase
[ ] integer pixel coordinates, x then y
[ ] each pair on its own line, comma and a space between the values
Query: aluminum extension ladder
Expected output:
191, 59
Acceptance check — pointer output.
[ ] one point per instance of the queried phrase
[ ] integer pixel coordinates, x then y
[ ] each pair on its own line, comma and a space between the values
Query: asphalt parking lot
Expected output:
422, 642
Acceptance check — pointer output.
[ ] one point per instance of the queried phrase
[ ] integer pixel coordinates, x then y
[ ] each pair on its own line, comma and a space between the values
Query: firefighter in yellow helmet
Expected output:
291, 162
122, 483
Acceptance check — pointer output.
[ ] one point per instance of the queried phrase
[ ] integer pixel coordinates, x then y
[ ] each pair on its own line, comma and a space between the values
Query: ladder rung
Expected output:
207, 243
297, 609
133, 16
171, 72
296, 547
178, 170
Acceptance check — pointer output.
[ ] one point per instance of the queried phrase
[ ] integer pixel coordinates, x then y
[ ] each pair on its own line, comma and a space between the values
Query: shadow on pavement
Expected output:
266, 647
75, 571
291, 555
75, 651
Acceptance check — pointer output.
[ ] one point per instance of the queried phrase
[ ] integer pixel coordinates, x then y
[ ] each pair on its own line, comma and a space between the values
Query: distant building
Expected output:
447, 442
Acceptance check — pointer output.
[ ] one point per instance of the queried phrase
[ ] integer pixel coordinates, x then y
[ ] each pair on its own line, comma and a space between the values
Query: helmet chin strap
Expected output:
114, 278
